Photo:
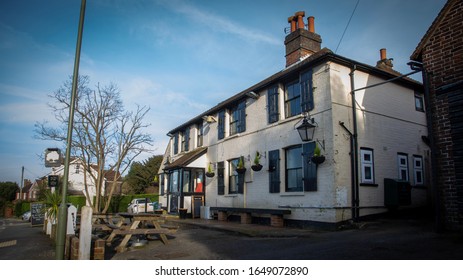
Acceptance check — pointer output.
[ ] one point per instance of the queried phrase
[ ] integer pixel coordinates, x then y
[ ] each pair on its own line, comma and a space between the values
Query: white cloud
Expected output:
221, 24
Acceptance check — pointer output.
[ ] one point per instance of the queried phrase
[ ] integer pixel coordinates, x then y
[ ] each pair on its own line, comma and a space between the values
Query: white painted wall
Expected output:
387, 123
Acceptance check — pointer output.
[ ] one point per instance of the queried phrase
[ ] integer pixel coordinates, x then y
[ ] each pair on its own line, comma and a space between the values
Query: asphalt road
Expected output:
381, 239
20, 241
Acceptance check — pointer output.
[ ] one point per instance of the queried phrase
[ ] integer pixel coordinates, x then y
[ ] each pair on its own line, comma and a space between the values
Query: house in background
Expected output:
27, 192
79, 177
441, 53
371, 140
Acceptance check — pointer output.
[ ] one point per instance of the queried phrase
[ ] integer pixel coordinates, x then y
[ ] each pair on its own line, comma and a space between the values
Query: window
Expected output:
294, 169
274, 168
238, 118
199, 136
186, 181
198, 180
402, 163
235, 180
299, 95
301, 172
272, 104
173, 182
221, 125
186, 140
162, 184
418, 170
292, 99
419, 103
367, 166
77, 168
220, 178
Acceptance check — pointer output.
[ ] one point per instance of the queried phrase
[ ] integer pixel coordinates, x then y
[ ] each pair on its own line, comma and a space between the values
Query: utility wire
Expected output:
355, 8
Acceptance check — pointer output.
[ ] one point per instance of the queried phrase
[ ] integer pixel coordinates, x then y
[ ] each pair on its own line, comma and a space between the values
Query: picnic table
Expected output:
128, 224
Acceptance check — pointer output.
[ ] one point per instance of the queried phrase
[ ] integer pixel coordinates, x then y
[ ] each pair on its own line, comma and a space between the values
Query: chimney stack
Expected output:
384, 63
301, 42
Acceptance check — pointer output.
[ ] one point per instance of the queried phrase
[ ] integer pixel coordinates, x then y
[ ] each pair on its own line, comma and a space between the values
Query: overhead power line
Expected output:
345, 29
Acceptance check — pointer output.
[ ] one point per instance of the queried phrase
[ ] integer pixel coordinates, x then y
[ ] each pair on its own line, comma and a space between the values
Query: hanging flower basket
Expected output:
256, 167
318, 159
210, 173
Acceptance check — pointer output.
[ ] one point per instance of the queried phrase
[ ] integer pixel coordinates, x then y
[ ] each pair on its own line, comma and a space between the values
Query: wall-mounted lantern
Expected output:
307, 129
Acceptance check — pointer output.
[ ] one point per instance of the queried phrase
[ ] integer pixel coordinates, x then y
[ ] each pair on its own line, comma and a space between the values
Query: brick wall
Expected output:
97, 249
443, 59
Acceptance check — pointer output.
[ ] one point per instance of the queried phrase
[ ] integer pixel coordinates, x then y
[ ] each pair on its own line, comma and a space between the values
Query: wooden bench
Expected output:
276, 215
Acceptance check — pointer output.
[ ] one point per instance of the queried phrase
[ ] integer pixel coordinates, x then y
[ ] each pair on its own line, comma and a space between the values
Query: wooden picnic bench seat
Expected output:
276, 215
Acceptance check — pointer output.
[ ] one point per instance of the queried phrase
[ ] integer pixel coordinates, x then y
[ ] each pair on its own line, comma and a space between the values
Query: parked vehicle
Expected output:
138, 205
26, 216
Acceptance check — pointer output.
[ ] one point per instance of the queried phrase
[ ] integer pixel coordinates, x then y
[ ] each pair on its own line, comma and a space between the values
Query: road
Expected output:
381, 239
20, 241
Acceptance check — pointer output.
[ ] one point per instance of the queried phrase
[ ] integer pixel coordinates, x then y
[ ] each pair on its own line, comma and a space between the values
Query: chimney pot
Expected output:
311, 21
300, 19
382, 53
292, 21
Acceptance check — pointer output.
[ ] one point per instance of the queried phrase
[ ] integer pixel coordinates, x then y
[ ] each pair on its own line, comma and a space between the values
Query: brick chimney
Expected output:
301, 42
384, 62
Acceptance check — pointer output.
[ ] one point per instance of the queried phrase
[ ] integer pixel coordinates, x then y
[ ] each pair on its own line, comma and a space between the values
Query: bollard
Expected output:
85, 236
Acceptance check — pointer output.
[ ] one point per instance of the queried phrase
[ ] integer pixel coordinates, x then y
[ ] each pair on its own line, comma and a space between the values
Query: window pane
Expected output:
186, 181
293, 100
294, 180
368, 172
293, 158
367, 157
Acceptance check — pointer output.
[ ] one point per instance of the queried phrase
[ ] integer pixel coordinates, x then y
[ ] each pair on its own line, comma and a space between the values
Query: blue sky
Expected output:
178, 57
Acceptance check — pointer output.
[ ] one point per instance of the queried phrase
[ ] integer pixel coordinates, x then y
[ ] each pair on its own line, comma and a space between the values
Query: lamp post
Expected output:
63, 209
307, 129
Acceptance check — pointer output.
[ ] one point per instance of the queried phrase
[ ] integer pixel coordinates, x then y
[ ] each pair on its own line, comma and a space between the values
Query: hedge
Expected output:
119, 203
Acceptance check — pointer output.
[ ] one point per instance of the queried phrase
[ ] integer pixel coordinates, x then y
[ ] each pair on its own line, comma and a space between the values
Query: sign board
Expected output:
37, 214
53, 181
53, 157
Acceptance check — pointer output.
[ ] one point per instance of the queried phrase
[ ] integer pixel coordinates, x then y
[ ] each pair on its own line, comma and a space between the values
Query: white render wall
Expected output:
387, 123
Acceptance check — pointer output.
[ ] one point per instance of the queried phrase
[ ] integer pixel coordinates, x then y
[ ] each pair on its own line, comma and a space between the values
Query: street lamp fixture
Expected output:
307, 129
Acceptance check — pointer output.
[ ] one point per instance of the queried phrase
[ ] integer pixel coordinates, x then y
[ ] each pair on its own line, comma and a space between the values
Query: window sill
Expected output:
423, 187
292, 194
231, 195
368, 185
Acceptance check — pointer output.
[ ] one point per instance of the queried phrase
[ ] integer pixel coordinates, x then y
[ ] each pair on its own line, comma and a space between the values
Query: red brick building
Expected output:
441, 52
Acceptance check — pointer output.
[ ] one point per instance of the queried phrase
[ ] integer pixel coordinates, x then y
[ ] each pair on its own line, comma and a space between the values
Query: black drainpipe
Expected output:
352, 171
355, 146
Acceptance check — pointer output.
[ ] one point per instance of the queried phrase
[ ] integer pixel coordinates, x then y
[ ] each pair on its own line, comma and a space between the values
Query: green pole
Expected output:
63, 209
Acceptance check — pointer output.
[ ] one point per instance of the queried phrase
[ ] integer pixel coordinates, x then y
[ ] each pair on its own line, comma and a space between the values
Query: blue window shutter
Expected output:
306, 91
274, 168
309, 175
272, 104
242, 112
221, 125
220, 178
176, 143
186, 135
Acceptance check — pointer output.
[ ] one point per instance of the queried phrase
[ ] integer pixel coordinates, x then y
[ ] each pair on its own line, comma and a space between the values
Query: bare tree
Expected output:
105, 136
